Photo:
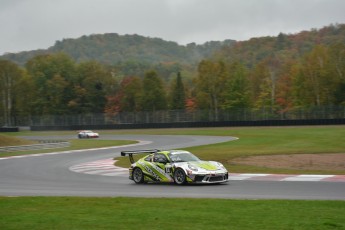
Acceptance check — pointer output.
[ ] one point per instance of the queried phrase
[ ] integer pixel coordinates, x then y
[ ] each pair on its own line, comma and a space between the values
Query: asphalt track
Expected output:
50, 175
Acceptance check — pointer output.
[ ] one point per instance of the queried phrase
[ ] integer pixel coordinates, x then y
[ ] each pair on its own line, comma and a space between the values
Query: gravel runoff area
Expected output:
296, 161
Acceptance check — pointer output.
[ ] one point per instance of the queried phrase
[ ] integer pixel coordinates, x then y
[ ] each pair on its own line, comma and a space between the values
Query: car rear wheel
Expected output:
179, 176
138, 176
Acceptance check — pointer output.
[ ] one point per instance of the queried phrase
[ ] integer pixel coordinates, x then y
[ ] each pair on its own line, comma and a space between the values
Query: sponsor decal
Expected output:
161, 171
149, 170
150, 167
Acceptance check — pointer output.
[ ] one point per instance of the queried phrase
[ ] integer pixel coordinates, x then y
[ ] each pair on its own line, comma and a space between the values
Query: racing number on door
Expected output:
167, 169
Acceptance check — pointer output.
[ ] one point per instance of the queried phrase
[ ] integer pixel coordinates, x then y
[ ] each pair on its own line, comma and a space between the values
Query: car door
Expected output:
162, 166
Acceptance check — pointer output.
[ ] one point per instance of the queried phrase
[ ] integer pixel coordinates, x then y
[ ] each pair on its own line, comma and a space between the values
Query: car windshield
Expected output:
182, 157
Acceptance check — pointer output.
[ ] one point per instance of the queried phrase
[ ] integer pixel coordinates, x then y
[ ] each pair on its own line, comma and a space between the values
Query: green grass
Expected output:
148, 213
264, 141
14, 141
161, 213
252, 141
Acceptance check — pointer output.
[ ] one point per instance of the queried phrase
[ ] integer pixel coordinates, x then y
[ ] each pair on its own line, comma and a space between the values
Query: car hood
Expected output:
206, 165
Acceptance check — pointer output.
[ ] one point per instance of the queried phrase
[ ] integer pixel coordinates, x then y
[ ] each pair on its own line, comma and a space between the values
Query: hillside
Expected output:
286, 46
113, 49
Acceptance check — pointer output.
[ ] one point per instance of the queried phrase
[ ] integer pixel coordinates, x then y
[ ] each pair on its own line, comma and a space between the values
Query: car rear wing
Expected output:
130, 153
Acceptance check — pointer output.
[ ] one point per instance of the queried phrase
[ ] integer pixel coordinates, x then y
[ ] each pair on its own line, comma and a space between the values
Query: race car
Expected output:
87, 134
178, 166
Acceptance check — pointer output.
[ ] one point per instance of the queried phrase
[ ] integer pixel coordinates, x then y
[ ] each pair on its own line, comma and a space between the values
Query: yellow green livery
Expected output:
178, 166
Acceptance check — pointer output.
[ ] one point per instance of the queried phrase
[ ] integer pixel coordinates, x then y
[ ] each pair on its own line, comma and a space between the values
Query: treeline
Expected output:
315, 79
276, 73
56, 85
125, 50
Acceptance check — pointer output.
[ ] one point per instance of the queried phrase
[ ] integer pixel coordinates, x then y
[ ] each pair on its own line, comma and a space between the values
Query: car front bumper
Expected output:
209, 178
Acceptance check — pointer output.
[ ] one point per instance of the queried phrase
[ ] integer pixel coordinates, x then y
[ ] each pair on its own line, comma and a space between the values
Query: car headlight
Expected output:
193, 168
221, 166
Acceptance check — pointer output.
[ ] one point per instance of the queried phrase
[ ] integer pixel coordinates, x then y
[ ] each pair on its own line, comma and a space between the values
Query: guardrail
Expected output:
44, 145
196, 124
9, 129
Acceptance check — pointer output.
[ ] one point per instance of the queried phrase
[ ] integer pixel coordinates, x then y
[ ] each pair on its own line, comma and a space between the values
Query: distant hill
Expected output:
113, 48
286, 46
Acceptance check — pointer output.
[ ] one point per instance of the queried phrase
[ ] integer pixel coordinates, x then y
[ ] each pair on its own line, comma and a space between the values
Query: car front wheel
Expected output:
138, 176
179, 176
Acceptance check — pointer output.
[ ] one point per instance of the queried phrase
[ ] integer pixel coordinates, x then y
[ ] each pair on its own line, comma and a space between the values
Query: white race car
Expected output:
177, 166
87, 134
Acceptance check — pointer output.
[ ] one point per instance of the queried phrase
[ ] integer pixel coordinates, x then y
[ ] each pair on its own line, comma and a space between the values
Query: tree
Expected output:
55, 89
274, 65
237, 91
316, 79
154, 97
24, 96
45, 71
255, 80
337, 65
10, 75
178, 96
260, 85
281, 41
210, 85
92, 83
131, 90
265, 80
284, 96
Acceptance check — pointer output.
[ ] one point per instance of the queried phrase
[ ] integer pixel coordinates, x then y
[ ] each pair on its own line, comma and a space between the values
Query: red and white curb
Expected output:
106, 167
286, 177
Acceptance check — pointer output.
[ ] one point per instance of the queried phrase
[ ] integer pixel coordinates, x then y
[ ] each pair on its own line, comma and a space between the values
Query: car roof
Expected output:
167, 152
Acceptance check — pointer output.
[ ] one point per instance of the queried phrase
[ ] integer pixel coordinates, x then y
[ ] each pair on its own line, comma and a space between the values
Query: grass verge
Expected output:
148, 213
253, 141
264, 141
14, 141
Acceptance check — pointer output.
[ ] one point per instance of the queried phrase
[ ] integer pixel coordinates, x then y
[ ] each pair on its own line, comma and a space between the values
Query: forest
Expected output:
99, 74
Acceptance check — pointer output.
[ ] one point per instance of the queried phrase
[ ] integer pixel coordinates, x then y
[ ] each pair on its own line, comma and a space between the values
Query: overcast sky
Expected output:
37, 24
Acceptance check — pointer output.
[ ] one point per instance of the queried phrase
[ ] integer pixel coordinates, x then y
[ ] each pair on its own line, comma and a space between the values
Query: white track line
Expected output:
308, 178
75, 151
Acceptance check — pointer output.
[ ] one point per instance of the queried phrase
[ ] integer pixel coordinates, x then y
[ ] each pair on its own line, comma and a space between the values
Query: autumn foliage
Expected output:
279, 73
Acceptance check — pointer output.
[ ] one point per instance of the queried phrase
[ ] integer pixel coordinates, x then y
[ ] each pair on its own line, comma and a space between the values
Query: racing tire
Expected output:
138, 176
179, 176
